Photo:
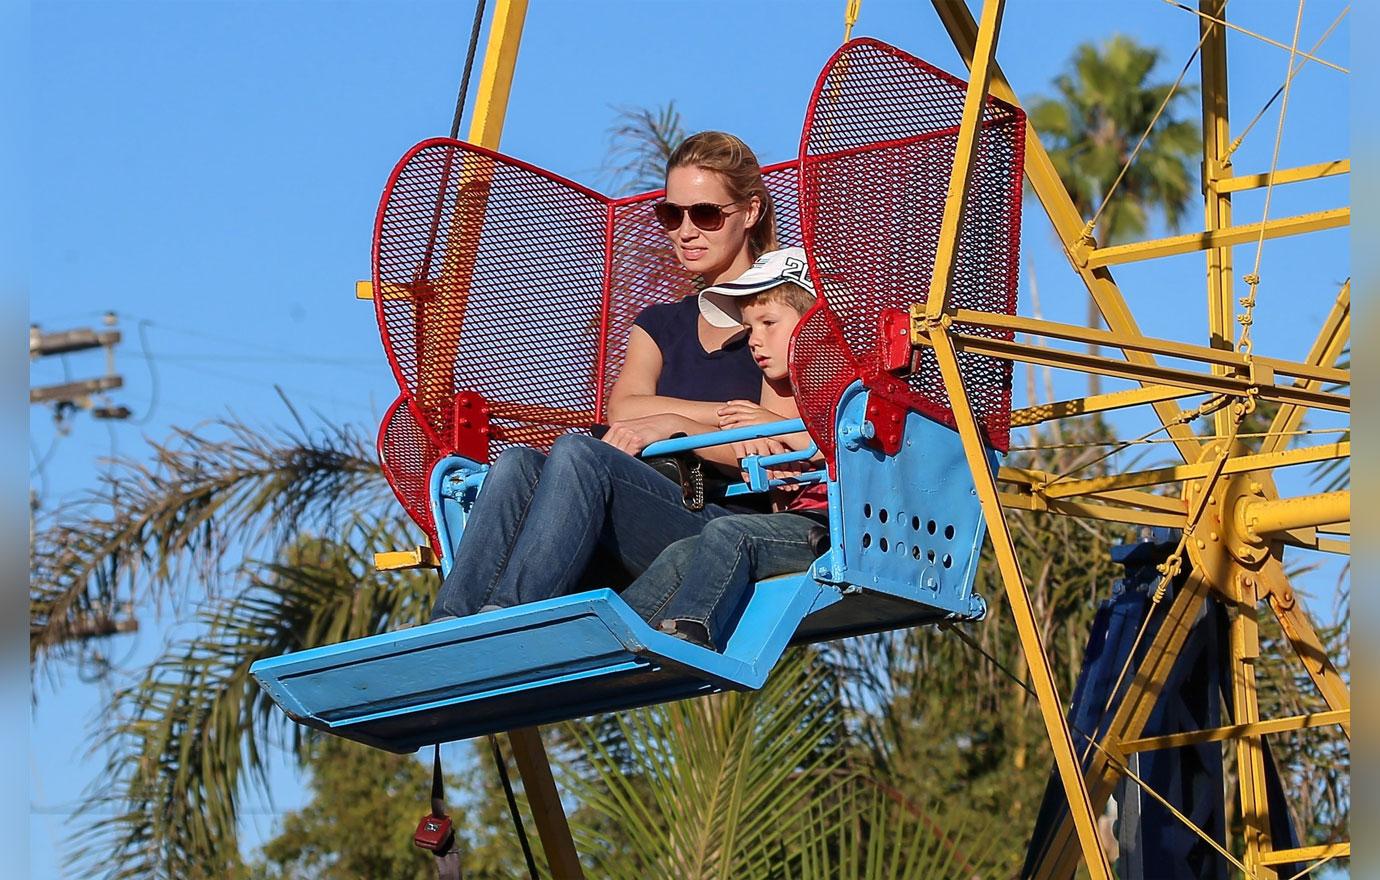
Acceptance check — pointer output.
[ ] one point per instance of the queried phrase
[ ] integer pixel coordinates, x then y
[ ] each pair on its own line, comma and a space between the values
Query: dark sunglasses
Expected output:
705, 216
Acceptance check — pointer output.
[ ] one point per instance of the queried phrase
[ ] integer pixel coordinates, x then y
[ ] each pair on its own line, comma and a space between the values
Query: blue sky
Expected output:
210, 171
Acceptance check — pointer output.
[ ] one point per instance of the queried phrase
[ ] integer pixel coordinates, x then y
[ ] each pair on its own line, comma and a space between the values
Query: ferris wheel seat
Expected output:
548, 661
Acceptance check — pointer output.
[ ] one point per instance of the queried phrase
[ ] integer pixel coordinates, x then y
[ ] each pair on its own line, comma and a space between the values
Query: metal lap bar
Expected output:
719, 438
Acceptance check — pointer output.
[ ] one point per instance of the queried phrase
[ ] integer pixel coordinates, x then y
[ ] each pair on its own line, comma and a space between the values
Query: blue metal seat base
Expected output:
549, 661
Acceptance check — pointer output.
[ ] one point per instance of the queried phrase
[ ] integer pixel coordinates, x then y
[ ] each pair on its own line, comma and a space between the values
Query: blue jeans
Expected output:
540, 519
705, 578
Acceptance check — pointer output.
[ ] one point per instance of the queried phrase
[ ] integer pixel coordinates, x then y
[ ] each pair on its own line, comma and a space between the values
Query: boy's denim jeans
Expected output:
539, 520
706, 577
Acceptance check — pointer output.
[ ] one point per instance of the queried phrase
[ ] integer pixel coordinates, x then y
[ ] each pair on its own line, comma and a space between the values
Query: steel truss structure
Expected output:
1233, 523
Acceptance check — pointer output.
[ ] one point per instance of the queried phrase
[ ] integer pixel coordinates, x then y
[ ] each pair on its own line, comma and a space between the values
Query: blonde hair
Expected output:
787, 293
735, 162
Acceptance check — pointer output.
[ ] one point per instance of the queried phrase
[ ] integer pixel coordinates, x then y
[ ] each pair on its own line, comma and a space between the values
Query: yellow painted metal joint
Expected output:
420, 556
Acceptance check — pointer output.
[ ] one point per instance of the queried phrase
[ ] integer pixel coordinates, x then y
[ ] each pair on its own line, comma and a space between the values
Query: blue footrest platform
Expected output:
549, 661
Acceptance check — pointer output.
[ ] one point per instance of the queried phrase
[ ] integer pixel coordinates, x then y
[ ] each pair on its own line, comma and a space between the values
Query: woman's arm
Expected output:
634, 396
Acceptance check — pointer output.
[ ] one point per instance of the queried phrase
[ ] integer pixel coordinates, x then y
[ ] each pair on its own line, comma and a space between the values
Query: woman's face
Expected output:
715, 254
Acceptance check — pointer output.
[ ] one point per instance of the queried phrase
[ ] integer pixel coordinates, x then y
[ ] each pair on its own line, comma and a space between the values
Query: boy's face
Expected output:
770, 326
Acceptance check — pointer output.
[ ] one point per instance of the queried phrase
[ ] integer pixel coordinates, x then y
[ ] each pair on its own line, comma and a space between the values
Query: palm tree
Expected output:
1106, 101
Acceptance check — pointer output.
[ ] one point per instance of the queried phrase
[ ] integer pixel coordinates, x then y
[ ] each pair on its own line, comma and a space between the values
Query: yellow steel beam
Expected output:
1298, 629
1068, 224
1232, 235
1167, 347
1178, 473
1217, 734
1244, 651
1022, 611
1217, 205
1147, 500
1059, 858
1081, 406
969, 131
1264, 385
1287, 175
1087, 510
1327, 348
496, 77
1307, 853
545, 801
1329, 545
420, 556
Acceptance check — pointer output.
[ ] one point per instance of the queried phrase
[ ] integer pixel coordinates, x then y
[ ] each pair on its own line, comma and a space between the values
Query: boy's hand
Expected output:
761, 446
741, 413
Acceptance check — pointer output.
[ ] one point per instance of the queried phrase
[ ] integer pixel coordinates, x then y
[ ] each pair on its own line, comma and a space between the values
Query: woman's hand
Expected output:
634, 435
741, 413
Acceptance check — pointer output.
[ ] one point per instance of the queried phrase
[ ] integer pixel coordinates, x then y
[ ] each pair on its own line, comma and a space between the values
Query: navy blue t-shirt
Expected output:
687, 370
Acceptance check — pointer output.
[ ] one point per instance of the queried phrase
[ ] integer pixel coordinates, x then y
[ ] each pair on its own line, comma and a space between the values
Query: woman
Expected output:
541, 519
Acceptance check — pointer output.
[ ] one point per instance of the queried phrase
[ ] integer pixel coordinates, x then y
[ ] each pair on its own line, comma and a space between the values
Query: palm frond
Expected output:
716, 785
188, 739
641, 141
225, 490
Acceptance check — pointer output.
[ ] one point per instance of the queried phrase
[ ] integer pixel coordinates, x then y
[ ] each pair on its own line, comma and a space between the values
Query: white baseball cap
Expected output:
720, 304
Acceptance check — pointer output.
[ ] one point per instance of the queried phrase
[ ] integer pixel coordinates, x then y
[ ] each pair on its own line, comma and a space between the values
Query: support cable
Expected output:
1114, 760
502, 766
850, 17
1143, 440
1313, 867
1216, 402
1252, 279
1170, 568
469, 65
1261, 37
1235, 144
1126, 166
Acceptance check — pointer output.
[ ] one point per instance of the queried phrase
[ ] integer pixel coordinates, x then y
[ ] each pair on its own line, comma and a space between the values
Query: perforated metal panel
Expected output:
407, 455
496, 277
876, 155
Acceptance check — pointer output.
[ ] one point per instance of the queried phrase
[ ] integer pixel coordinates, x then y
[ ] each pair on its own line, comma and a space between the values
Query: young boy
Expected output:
695, 586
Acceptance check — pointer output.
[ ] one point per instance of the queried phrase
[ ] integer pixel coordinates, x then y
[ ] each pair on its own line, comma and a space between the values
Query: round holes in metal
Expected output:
948, 561
949, 532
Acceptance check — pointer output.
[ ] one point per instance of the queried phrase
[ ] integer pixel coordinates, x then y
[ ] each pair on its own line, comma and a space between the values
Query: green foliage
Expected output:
712, 787
641, 142
360, 822
189, 735
1104, 103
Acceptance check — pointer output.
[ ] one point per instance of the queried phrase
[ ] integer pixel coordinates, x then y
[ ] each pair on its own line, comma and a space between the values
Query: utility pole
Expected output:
106, 617
80, 394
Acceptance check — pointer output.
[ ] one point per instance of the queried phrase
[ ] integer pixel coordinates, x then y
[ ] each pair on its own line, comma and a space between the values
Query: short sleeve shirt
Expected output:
688, 371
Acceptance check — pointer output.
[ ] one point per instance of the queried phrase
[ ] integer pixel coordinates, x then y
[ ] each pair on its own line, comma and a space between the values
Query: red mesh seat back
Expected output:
496, 277
407, 455
876, 154
489, 277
